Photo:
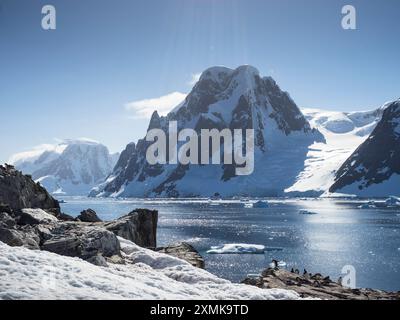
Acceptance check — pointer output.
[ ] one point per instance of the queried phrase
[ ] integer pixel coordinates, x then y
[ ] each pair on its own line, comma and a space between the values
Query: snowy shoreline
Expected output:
30, 274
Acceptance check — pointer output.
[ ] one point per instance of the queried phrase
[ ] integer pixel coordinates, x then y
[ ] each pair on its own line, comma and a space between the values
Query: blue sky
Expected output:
77, 80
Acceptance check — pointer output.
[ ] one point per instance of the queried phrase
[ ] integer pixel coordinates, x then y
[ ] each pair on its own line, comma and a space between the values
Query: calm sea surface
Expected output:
339, 234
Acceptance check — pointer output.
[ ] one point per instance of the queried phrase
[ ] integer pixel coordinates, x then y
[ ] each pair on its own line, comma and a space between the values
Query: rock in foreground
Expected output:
19, 191
88, 215
185, 252
94, 242
315, 286
139, 226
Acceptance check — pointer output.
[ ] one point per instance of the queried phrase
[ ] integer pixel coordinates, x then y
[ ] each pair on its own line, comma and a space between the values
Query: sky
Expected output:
109, 63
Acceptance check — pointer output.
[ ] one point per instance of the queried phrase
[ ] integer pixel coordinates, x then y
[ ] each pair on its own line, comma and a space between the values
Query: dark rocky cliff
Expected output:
19, 191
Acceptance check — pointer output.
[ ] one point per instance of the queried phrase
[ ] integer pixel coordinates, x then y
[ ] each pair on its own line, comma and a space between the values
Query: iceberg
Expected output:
306, 212
237, 248
261, 204
368, 205
393, 201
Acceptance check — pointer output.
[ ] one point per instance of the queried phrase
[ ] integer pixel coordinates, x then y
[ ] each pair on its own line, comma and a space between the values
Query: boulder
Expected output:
65, 217
35, 216
79, 240
19, 191
88, 215
17, 238
139, 226
185, 252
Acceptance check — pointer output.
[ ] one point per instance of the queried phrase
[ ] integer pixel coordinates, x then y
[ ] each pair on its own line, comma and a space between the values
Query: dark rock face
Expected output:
88, 215
315, 286
377, 159
14, 237
139, 226
19, 191
185, 252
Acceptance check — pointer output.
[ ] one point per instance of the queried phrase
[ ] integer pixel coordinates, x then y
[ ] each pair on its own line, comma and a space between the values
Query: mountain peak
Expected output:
73, 166
223, 98
218, 73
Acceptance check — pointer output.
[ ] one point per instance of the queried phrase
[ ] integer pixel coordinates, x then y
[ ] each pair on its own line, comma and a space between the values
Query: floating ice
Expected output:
393, 201
306, 212
261, 204
237, 248
369, 205
280, 264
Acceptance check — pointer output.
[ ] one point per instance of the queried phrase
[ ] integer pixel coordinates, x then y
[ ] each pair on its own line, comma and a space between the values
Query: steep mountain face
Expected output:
222, 98
72, 167
374, 168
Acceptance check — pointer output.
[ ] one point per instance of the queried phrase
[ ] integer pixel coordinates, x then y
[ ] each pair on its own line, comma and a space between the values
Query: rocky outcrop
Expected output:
90, 243
88, 215
185, 252
139, 226
315, 286
369, 170
34, 217
95, 242
19, 191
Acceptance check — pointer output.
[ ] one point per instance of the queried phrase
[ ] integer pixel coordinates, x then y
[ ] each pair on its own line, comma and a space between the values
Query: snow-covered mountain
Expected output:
72, 167
223, 98
343, 133
374, 168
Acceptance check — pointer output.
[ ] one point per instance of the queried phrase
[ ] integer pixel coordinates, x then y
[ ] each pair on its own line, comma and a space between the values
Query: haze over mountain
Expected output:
72, 167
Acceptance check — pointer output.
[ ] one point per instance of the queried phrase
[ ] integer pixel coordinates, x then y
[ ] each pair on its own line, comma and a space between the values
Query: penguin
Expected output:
305, 272
292, 270
275, 263
297, 271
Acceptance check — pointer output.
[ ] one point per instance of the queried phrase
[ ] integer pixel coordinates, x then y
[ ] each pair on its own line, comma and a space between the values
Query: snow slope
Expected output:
373, 170
343, 133
72, 167
28, 274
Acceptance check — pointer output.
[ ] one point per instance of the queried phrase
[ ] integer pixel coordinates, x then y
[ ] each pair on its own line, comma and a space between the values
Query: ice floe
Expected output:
237, 248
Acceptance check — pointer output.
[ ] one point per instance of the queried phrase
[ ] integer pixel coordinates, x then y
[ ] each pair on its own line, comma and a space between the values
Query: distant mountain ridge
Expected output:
72, 167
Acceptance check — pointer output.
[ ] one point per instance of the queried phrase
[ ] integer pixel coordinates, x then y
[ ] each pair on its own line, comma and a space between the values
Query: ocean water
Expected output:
339, 234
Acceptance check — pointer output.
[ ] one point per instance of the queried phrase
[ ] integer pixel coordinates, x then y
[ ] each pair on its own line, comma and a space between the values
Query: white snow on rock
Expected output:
72, 167
40, 215
28, 274
237, 248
